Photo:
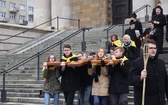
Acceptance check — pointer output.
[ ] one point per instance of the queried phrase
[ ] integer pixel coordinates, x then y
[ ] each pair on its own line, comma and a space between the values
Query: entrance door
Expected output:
121, 9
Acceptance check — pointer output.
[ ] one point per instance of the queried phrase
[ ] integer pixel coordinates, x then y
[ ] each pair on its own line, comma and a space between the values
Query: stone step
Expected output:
32, 101
20, 89
39, 86
32, 94
13, 103
23, 81
18, 103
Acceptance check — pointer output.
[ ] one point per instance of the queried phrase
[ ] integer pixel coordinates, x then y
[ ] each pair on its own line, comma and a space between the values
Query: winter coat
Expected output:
51, 83
138, 26
84, 77
167, 28
113, 45
70, 75
119, 77
156, 81
130, 50
100, 88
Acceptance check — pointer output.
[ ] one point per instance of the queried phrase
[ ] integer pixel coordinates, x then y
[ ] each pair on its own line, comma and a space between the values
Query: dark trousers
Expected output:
159, 41
69, 97
118, 99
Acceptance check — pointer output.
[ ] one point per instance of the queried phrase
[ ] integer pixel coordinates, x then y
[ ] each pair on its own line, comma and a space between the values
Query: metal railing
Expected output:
107, 33
37, 55
58, 18
136, 11
141, 8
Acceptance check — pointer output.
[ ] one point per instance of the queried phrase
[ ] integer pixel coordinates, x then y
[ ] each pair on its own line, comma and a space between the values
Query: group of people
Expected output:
107, 83
91, 79
154, 31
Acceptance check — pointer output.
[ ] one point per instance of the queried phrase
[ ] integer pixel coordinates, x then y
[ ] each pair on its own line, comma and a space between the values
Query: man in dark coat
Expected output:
159, 21
156, 78
118, 87
70, 75
138, 25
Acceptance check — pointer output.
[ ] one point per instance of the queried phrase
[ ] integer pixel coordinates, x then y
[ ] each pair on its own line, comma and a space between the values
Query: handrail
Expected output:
37, 55
43, 24
107, 30
110, 27
141, 8
42, 52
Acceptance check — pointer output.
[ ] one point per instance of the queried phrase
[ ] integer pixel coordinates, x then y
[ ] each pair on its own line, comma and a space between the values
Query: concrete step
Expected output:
23, 81
39, 86
31, 101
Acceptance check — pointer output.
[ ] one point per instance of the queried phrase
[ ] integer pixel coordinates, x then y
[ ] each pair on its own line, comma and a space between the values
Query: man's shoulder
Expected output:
160, 60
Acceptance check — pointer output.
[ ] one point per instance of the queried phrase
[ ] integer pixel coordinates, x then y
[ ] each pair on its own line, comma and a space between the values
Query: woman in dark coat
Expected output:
51, 85
156, 78
159, 21
130, 48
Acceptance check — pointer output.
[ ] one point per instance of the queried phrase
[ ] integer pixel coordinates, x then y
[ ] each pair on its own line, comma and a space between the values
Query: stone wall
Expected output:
90, 12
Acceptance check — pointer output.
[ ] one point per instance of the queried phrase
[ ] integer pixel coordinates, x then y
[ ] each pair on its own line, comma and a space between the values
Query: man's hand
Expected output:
143, 74
63, 65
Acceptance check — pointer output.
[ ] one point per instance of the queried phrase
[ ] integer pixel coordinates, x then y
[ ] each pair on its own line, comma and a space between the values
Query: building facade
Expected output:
92, 13
14, 12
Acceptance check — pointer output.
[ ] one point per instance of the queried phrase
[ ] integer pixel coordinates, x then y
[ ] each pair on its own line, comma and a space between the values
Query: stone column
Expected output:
60, 8
165, 6
42, 13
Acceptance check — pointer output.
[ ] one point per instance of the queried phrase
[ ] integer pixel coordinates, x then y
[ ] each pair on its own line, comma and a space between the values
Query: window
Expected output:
2, 3
12, 4
31, 18
2, 14
12, 16
22, 7
21, 17
30, 8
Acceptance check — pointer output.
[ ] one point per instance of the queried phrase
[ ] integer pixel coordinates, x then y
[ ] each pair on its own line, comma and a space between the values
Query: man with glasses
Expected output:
70, 76
156, 78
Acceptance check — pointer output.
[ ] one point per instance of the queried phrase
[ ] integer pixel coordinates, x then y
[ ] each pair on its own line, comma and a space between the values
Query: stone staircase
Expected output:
22, 85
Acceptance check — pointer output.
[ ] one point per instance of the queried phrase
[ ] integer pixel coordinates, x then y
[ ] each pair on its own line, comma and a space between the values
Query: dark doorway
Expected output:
121, 9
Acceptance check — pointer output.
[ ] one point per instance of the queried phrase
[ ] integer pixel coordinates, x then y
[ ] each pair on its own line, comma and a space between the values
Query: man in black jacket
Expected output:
138, 25
156, 78
70, 75
118, 88
151, 32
